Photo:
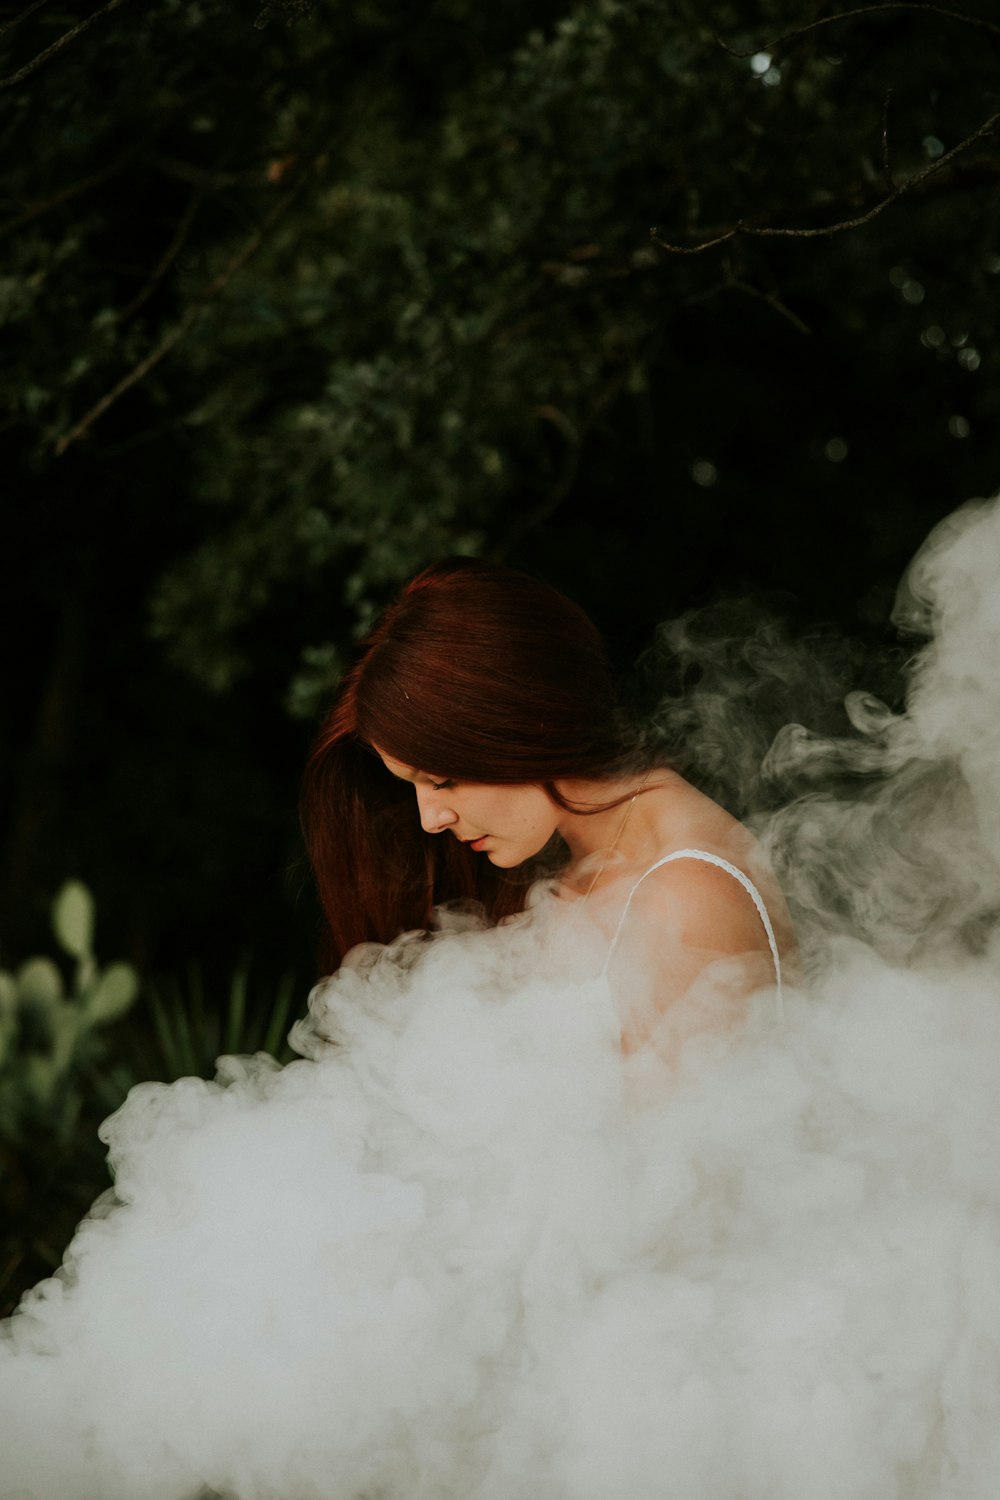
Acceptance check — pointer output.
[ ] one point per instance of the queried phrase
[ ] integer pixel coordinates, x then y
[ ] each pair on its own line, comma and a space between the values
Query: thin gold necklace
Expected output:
617, 838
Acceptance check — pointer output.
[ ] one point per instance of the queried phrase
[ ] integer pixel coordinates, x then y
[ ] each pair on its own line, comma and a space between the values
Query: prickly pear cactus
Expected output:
46, 1025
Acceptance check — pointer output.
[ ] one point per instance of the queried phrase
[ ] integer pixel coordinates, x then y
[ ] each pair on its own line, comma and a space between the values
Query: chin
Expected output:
506, 859
510, 859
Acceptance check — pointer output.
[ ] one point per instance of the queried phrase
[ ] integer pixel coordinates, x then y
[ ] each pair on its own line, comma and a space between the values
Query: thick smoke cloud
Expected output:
462, 1250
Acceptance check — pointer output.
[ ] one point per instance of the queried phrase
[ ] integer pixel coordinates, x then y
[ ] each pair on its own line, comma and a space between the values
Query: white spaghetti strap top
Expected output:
722, 864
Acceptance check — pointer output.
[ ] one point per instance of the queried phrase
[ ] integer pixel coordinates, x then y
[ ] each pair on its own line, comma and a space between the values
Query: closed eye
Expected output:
442, 786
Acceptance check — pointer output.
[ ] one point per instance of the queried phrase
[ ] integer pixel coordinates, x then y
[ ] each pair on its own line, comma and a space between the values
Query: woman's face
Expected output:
508, 824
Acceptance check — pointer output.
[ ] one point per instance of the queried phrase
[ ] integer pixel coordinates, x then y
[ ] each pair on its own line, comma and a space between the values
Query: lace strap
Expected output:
737, 874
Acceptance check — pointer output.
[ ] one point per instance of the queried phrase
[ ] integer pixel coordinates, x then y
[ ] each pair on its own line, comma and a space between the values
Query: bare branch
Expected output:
737, 285
166, 259
29, 10
861, 10
163, 348
563, 486
175, 334
720, 239
42, 205
58, 45
907, 186
556, 494
211, 181
64, 195
886, 167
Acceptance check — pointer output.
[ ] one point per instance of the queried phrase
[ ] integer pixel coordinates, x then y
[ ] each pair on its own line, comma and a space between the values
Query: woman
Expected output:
488, 697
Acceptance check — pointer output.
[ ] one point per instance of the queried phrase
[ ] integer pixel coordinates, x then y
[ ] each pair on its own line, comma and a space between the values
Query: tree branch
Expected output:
29, 10
166, 259
562, 488
886, 164
175, 334
64, 195
200, 177
760, 232
738, 285
861, 10
550, 502
58, 45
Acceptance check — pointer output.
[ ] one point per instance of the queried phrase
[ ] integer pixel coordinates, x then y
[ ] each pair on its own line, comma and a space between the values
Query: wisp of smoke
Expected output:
461, 1249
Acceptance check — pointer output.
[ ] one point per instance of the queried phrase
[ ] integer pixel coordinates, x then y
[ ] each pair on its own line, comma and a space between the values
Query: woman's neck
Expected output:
653, 815
631, 826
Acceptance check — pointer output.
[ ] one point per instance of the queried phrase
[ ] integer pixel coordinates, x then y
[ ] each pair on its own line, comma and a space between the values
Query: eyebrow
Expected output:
409, 780
412, 780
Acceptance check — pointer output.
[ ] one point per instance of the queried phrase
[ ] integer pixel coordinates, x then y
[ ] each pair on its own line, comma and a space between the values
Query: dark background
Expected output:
379, 283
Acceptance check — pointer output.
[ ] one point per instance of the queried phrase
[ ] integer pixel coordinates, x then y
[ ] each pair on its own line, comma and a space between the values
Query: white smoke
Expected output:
462, 1250
910, 860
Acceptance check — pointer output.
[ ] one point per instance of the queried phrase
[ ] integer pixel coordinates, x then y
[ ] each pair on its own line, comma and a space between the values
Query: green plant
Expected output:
180, 1030
57, 1079
51, 1030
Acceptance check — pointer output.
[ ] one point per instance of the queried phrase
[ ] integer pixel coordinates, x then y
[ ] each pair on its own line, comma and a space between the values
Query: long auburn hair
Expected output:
476, 673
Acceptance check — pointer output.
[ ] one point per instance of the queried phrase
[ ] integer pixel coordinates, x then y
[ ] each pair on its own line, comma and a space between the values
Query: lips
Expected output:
476, 844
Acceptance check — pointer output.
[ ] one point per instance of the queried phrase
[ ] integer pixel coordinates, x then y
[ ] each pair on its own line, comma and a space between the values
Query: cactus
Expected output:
46, 1026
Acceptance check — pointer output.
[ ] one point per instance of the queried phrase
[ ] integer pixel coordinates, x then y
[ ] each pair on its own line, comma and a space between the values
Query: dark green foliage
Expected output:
379, 286
180, 1029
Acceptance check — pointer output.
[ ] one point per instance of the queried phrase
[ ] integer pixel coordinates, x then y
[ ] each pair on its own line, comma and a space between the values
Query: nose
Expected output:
435, 813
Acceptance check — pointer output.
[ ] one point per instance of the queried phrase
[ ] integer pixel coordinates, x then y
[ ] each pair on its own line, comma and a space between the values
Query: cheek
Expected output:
539, 815
526, 815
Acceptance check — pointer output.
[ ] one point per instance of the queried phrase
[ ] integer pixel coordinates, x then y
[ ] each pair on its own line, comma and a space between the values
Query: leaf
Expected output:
184, 1033
8, 1032
39, 983
40, 1077
279, 1019
66, 1027
8, 993
112, 995
73, 919
236, 1011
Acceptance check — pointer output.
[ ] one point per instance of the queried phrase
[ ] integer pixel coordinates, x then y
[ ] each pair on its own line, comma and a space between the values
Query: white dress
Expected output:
449, 1256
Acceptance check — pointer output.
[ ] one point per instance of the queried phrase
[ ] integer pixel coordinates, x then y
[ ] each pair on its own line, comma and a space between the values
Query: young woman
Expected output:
478, 743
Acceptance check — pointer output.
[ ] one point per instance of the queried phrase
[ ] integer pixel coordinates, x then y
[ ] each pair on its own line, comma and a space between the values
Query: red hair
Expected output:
476, 673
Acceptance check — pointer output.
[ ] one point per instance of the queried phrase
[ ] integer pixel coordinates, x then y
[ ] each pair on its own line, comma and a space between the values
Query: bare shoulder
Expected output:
703, 904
